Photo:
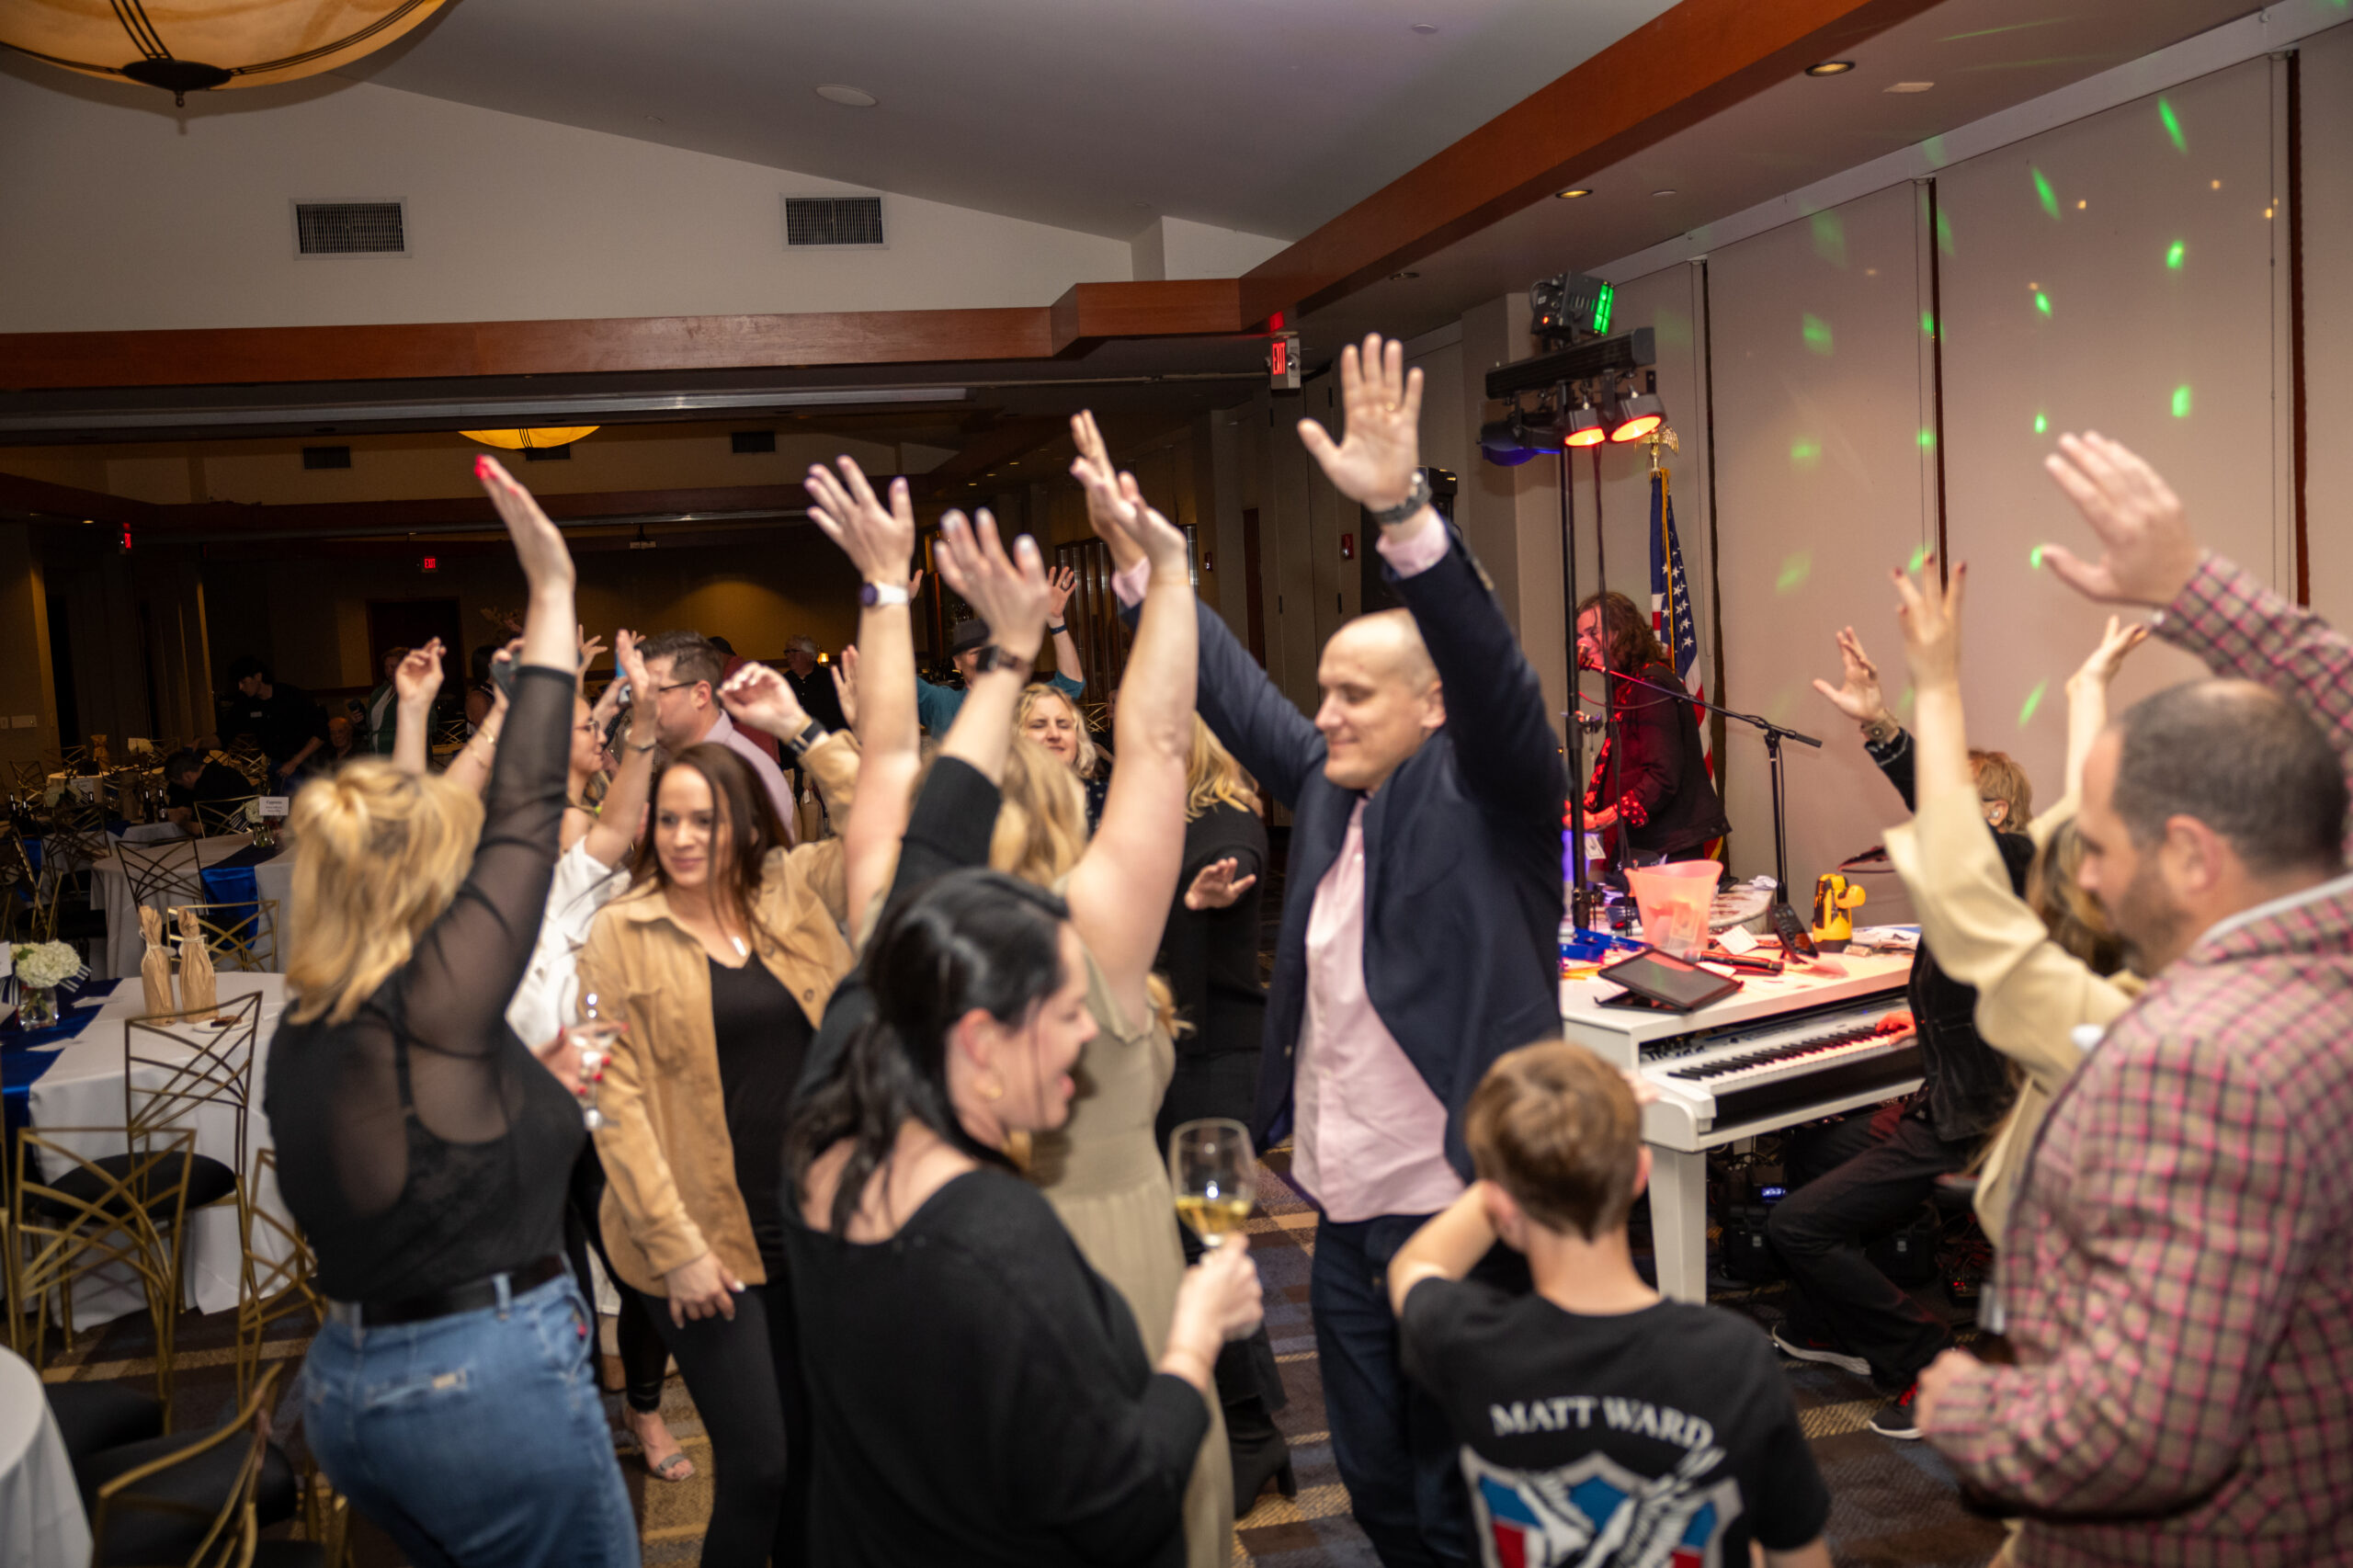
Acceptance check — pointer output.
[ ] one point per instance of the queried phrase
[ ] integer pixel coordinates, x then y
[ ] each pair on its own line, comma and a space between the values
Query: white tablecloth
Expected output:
273, 879
85, 1088
42, 1523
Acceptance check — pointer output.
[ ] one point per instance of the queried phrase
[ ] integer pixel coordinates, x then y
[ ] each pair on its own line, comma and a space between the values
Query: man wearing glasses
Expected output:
686, 671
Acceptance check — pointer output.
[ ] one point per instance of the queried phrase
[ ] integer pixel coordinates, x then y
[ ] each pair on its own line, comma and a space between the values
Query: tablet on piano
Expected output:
1670, 982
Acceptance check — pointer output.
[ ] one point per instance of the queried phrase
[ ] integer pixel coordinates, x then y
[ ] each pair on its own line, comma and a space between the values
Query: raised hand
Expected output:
2148, 553
1060, 584
845, 671
2100, 666
1217, 887
539, 544
879, 539
757, 696
1930, 616
589, 648
1382, 401
1109, 512
416, 679
1011, 593
1858, 696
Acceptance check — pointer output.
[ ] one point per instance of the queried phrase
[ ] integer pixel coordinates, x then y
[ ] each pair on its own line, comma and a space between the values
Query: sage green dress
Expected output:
1105, 1175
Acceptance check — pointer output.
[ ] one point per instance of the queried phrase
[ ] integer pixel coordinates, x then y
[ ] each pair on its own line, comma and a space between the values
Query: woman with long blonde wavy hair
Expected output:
424, 1151
1049, 716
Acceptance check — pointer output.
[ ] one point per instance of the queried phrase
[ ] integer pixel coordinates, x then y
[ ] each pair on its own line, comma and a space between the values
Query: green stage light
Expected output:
1928, 438
2034, 558
2043, 193
1804, 452
2181, 400
2043, 301
2041, 425
1794, 572
2033, 700
1919, 558
2173, 253
2173, 126
1816, 332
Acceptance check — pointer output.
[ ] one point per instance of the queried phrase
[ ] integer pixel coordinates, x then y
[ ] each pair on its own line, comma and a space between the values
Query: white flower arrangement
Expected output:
46, 965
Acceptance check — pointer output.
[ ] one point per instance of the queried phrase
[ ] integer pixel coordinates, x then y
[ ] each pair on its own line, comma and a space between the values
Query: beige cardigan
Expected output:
2031, 993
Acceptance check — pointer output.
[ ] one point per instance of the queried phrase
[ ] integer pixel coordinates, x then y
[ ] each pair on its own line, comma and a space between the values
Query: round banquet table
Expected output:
83, 1087
273, 879
42, 1523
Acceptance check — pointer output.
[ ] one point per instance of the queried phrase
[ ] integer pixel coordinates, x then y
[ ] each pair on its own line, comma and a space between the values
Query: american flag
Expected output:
1671, 618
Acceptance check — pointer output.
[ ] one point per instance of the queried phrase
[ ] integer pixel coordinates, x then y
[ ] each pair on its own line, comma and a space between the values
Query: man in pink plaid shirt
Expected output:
2178, 1263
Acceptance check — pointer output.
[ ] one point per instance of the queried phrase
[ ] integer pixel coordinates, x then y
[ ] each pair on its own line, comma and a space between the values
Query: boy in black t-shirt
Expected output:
1600, 1425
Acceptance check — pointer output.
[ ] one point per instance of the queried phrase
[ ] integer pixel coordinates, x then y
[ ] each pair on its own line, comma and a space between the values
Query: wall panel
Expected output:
1816, 355
2327, 67
2115, 274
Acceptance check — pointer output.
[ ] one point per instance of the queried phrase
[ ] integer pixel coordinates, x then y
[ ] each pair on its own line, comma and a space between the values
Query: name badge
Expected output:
274, 807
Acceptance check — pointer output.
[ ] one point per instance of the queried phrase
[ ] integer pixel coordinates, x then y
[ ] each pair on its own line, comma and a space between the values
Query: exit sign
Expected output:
432, 564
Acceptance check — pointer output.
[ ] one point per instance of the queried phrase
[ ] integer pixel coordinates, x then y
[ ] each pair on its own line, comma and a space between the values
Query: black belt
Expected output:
470, 1297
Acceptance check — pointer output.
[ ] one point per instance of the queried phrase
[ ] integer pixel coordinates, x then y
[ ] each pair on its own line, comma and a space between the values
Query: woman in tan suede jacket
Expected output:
720, 960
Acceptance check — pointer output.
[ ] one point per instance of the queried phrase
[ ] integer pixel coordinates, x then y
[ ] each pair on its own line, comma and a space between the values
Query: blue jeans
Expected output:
476, 1439
1396, 1452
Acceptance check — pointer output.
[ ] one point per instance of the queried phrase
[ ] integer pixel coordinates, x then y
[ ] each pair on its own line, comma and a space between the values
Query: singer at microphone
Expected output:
1650, 783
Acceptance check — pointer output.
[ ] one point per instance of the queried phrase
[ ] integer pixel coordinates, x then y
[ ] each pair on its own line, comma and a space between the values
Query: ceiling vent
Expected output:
351, 227
326, 457
746, 441
835, 221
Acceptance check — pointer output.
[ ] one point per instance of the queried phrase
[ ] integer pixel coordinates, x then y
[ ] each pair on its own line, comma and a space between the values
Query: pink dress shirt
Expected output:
723, 732
1369, 1136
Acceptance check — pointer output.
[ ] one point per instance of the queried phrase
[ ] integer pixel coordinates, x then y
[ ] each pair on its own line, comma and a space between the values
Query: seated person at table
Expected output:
289, 727
197, 790
1600, 1423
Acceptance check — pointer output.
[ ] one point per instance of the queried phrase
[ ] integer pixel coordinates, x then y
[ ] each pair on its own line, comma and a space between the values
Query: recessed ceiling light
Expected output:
1830, 68
655, 120
1908, 86
836, 92
1396, 275
1668, 192
1425, 29
1574, 192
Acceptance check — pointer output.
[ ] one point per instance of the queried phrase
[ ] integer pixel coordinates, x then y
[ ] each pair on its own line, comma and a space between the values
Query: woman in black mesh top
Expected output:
424, 1152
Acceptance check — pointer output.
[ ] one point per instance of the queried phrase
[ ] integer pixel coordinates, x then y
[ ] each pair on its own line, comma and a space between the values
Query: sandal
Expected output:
674, 1466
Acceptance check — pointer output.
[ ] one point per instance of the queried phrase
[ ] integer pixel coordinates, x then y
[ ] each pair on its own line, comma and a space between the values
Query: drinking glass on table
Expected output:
1215, 1174
590, 1039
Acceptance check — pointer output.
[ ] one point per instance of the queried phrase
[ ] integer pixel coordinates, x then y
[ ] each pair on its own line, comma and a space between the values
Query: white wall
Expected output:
120, 217
2328, 65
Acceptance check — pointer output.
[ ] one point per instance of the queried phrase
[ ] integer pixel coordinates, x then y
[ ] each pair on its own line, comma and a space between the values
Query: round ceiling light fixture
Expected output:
1574, 192
1668, 190
530, 441
1425, 28
849, 97
1830, 68
193, 46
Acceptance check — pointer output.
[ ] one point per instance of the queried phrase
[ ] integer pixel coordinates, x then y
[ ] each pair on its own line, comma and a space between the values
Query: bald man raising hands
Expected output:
1427, 793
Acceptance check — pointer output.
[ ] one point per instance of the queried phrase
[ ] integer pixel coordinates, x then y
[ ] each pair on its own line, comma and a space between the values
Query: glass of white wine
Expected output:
1215, 1174
592, 1040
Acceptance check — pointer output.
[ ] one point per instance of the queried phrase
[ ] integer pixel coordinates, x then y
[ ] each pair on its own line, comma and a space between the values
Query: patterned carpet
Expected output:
1892, 1502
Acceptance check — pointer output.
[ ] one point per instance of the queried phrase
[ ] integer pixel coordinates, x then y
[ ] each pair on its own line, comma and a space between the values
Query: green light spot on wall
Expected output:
2174, 254
1804, 453
2173, 126
2043, 301
1904, 703
1928, 438
2043, 193
1830, 238
2041, 425
1944, 232
1816, 332
1928, 324
2033, 700
1794, 572
2034, 558
1934, 147
1919, 558
2181, 400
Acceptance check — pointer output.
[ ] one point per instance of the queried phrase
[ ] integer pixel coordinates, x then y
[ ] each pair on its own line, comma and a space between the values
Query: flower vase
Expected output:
36, 1006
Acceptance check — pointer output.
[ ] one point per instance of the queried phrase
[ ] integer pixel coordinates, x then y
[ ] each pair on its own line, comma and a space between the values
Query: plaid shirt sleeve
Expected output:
2187, 1212
2236, 626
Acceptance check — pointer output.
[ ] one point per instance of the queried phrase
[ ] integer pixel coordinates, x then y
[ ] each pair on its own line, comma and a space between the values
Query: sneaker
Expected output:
1805, 1347
1897, 1418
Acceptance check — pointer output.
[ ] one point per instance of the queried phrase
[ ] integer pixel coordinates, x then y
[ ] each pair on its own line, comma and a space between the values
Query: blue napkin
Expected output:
26, 1054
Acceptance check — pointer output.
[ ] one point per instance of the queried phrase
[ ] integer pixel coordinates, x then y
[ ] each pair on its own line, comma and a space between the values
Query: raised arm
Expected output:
1859, 696
1496, 718
1068, 674
1121, 890
617, 822
879, 540
1264, 730
2088, 712
1016, 598
417, 680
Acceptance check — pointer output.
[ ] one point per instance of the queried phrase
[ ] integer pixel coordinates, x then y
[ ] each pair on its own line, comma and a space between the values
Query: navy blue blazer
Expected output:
1462, 849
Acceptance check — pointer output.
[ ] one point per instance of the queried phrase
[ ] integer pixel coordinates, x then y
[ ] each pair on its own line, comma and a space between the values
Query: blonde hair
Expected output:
2074, 917
1999, 777
1041, 825
1089, 759
377, 856
1211, 775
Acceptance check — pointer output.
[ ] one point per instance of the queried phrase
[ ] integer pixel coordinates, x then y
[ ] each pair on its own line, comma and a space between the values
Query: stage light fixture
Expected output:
1581, 426
1572, 304
1637, 416
1500, 443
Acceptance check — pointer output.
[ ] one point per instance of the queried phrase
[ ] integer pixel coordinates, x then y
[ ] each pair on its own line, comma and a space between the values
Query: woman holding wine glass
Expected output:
425, 1152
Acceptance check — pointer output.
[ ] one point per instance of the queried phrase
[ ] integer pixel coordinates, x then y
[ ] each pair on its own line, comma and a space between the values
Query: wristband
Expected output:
881, 596
1056, 630
995, 658
1415, 499
811, 734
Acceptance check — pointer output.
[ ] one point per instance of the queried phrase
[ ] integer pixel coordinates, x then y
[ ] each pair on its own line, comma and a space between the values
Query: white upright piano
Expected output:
1783, 1050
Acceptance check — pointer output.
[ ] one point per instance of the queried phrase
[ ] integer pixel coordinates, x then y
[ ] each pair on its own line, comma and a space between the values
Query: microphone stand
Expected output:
1774, 735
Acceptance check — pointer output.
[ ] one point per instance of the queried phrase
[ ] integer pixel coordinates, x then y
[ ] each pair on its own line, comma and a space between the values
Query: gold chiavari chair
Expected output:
27, 913
241, 937
28, 784
248, 759
161, 873
70, 1216
276, 1278
216, 817
181, 1506
176, 1066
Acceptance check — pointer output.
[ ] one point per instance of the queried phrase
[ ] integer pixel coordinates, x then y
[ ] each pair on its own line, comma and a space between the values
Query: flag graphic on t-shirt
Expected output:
1597, 1514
